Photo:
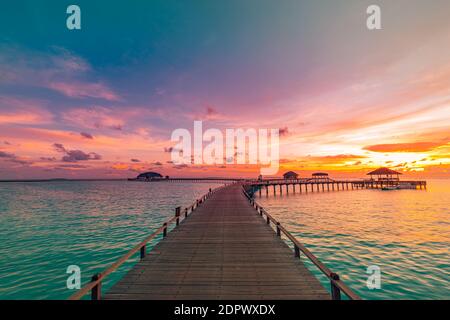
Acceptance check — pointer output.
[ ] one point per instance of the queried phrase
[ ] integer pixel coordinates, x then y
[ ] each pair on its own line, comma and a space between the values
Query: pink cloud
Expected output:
69, 62
94, 118
84, 90
23, 111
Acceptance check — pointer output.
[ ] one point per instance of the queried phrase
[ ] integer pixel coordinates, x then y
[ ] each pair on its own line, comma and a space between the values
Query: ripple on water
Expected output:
406, 233
45, 227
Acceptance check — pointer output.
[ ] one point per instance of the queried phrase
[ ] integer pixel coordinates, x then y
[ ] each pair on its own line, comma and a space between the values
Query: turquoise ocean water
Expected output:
406, 233
45, 227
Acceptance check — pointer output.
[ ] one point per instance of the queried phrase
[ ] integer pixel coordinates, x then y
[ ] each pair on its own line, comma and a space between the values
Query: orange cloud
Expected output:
405, 147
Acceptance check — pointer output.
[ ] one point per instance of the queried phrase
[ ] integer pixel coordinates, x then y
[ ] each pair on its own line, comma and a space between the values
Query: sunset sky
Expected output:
102, 102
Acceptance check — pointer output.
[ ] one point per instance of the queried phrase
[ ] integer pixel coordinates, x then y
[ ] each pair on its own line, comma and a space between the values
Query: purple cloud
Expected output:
12, 158
86, 135
75, 155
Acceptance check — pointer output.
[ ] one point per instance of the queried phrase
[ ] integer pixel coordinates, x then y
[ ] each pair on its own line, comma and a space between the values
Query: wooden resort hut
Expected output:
320, 177
290, 175
148, 176
384, 174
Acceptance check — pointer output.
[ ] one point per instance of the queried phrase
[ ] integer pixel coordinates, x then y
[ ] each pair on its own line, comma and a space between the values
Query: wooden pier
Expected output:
225, 248
280, 186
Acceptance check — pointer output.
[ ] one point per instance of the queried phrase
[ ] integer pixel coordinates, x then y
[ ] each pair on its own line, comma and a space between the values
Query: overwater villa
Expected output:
388, 179
320, 177
290, 175
147, 176
384, 174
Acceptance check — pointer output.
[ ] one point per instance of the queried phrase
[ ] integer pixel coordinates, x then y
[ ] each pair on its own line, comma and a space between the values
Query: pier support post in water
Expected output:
96, 291
177, 214
296, 251
143, 252
165, 230
335, 292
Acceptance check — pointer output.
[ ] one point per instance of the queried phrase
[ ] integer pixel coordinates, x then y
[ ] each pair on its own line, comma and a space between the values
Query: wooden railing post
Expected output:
185, 213
165, 230
96, 291
335, 291
143, 249
268, 220
296, 251
278, 229
177, 214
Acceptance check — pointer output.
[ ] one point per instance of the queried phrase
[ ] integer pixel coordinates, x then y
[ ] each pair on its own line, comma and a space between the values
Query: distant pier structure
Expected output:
157, 177
386, 178
382, 178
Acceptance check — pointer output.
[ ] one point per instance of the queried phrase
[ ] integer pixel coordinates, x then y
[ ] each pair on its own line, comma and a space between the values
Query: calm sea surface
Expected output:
406, 233
45, 227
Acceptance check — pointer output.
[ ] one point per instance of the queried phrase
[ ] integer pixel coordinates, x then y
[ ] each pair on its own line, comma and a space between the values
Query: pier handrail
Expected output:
335, 283
94, 286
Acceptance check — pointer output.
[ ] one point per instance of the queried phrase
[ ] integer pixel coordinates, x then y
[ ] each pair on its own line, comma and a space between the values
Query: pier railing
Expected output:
336, 284
95, 285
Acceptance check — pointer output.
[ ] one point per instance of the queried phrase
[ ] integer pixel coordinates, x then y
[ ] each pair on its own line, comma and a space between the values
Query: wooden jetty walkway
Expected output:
225, 248
312, 185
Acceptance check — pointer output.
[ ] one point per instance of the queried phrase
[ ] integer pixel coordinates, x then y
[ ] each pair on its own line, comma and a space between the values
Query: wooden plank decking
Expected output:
223, 251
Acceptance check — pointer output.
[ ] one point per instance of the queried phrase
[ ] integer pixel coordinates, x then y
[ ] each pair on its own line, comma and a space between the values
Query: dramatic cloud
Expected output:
12, 158
67, 61
95, 118
6, 155
47, 158
404, 147
135, 160
86, 135
284, 131
23, 111
84, 90
75, 155
180, 166
211, 113
72, 166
